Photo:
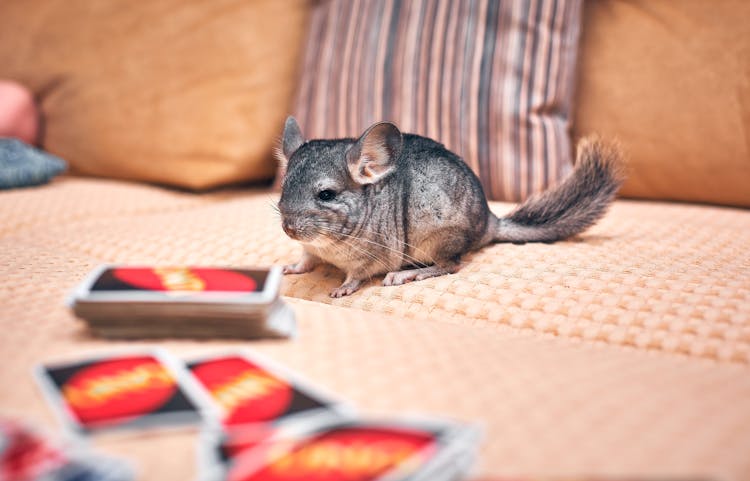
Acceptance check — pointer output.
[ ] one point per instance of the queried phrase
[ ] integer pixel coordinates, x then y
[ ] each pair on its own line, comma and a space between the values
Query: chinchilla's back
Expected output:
441, 193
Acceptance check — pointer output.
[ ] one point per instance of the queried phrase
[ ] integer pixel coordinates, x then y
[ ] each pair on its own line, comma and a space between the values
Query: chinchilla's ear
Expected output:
374, 154
292, 138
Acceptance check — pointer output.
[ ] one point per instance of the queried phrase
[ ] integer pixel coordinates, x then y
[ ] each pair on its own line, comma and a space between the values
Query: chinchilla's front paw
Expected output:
298, 268
347, 288
306, 264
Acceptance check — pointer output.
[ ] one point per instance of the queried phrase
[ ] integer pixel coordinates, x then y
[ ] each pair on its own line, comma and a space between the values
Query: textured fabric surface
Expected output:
22, 165
191, 94
491, 80
671, 81
623, 352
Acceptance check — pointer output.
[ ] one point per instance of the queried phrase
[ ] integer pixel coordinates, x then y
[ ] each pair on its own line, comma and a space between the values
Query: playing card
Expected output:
26, 454
92, 467
125, 390
180, 284
343, 450
249, 389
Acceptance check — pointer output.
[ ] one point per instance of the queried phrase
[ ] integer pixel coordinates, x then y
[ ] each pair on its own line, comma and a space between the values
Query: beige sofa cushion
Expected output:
671, 80
623, 353
190, 94
660, 277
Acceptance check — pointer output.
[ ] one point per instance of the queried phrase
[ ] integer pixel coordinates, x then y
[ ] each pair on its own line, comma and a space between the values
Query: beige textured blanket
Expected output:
623, 352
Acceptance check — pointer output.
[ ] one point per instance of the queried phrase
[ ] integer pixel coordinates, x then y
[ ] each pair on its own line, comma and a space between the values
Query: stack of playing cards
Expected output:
194, 302
259, 421
25, 454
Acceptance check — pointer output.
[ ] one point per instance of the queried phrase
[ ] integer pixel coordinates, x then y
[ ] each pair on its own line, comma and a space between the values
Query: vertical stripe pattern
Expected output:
491, 79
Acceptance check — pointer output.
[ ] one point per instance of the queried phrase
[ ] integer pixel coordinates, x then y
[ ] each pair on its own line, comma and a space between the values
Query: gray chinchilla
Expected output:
405, 206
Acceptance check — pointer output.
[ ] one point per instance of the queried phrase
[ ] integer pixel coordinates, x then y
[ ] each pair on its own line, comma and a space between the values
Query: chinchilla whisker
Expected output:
349, 241
408, 257
340, 249
354, 238
368, 254
379, 244
411, 246
274, 206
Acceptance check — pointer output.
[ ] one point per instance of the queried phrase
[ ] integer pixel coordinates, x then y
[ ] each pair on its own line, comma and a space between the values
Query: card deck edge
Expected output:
279, 323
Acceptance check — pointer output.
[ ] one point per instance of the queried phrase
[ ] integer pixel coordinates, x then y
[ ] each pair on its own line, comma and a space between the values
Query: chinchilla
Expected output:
405, 206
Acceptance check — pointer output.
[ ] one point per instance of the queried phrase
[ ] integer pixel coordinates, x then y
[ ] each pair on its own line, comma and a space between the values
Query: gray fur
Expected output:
407, 207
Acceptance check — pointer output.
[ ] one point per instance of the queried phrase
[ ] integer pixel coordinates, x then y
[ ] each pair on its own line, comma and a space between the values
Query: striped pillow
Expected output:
492, 80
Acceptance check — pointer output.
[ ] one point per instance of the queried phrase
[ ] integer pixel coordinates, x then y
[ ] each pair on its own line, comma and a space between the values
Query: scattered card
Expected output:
343, 450
119, 391
25, 454
250, 391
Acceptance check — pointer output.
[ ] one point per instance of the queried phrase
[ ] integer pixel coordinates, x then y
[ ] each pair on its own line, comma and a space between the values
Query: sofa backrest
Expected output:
671, 80
189, 94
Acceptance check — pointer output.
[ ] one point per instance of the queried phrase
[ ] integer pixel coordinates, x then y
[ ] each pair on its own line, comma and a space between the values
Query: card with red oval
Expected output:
170, 283
133, 390
250, 390
346, 450
180, 278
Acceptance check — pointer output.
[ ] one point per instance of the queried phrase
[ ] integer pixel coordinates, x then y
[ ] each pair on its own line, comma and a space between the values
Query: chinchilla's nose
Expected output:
289, 228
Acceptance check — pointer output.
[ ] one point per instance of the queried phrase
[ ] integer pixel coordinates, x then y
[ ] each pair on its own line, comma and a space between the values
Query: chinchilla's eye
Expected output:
326, 195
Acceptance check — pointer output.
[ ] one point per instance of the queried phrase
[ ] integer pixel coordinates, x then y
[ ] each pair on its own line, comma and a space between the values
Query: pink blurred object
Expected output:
19, 117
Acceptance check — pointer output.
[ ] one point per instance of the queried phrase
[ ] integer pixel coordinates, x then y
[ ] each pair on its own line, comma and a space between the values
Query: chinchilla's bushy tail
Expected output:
572, 206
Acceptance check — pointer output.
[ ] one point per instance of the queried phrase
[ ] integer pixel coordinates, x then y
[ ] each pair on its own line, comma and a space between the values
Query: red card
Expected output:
179, 278
250, 391
343, 453
118, 391
25, 454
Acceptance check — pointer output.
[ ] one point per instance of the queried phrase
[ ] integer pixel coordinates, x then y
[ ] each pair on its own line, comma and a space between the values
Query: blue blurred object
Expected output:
22, 165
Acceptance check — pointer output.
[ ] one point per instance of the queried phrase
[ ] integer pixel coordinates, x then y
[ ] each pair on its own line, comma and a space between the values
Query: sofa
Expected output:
621, 353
